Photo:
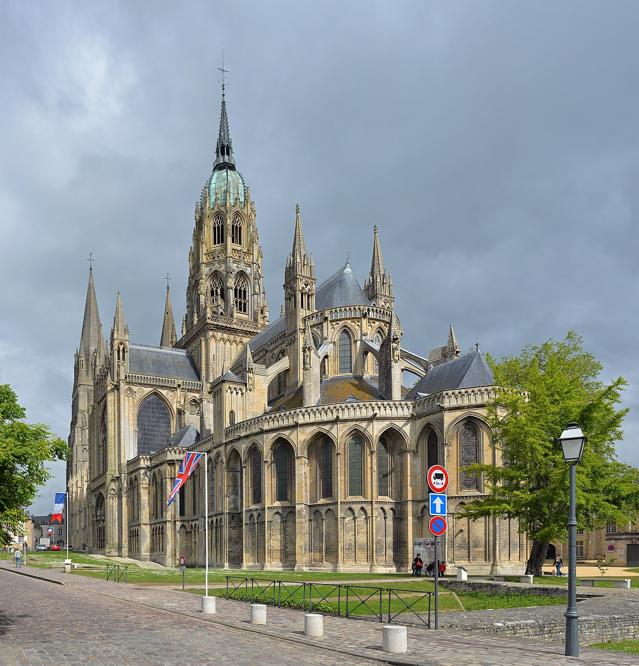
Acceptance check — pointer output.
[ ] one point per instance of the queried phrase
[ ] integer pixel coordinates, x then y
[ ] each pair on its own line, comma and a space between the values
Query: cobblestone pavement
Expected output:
90, 620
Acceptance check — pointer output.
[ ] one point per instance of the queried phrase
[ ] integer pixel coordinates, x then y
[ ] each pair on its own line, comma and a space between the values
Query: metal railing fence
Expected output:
385, 604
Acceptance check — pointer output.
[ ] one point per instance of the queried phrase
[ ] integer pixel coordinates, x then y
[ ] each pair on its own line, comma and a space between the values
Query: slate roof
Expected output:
463, 372
340, 289
186, 436
159, 362
268, 334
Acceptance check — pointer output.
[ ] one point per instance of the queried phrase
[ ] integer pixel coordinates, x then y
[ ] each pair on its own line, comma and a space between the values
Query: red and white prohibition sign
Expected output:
437, 478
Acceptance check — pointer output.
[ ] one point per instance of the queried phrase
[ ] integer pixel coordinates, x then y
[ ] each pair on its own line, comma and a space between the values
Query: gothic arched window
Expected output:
218, 230
356, 465
240, 293
217, 291
383, 468
469, 454
432, 455
325, 468
378, 341
345, 352
236, 230
154, 425
256, 476
283, 459
103, 445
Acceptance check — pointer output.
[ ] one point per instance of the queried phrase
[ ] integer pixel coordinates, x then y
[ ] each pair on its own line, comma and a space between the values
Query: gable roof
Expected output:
159, 362
463, 372
186, 436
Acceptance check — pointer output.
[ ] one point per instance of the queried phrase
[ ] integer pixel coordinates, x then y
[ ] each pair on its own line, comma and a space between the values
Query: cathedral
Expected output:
318, 427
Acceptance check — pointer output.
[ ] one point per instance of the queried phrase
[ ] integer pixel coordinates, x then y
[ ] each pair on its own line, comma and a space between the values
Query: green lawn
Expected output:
629, 646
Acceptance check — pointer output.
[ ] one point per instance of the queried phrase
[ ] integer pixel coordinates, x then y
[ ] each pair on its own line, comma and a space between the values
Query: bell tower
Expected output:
225, 298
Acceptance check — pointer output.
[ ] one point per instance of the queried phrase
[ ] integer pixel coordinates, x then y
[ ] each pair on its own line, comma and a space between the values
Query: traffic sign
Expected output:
438, 504
437, 478
437, 525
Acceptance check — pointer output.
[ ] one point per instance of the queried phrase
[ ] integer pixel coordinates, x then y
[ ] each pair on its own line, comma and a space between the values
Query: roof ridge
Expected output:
336, 274
165, 350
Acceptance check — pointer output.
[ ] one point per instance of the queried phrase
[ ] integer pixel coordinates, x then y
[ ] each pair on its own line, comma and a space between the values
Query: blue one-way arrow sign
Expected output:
438, 504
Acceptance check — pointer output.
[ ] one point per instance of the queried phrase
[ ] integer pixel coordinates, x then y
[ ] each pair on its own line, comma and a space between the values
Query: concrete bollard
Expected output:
208, 605
527, 578
67, 566
395, 639
313, 625
462, 574
258, 613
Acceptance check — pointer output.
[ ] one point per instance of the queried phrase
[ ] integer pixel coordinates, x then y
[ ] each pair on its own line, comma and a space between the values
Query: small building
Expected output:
45, 532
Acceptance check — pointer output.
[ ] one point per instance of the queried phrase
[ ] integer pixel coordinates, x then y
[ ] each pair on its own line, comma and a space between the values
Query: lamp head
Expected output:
572, 441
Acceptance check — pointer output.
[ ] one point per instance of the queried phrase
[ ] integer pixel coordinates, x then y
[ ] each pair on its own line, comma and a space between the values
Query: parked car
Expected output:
41, 546
55, 547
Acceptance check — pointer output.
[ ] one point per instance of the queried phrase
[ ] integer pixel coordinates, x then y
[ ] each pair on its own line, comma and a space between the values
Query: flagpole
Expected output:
66, 507
206, 526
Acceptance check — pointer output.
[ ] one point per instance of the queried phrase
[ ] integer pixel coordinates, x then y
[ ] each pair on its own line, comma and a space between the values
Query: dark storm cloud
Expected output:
494, 144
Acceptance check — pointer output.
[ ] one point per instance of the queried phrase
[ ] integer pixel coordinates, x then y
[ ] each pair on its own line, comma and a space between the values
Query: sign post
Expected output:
437, 478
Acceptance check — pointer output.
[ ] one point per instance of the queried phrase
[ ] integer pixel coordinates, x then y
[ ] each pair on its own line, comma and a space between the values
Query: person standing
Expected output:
419, 563
18, 556
558, 564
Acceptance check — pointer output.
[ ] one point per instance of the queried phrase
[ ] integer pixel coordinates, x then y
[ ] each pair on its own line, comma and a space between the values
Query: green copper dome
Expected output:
226, 183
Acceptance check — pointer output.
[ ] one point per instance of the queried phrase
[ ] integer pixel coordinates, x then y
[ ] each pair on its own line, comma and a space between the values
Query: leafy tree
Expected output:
542, 390
24, 449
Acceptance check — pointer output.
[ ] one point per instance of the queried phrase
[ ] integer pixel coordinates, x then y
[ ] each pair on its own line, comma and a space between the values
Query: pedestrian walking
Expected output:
18, 557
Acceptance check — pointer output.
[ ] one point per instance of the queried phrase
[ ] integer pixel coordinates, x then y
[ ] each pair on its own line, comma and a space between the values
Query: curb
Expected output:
32, 575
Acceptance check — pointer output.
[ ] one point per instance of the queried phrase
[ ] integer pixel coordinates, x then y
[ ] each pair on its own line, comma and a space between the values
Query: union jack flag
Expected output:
186, 469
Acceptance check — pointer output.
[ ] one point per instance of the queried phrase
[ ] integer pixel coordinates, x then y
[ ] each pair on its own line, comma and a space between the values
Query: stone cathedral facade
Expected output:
317, 440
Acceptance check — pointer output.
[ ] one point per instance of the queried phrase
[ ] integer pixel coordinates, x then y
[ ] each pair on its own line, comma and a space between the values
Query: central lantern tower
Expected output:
225, 299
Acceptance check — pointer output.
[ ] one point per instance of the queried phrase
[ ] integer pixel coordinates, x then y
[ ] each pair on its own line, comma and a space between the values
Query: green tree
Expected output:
24, 450
542, 390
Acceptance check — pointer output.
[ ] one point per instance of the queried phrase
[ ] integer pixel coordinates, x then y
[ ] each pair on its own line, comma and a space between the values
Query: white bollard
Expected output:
208, 604
258, 613
462, 574
395, 639
313, 625
67, 566
528, 578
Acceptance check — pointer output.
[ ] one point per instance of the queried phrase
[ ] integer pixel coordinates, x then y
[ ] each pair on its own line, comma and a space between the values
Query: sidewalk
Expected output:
342, 636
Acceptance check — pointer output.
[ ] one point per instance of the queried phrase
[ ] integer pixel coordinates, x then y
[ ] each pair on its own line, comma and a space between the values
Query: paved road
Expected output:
54, 624
89, 620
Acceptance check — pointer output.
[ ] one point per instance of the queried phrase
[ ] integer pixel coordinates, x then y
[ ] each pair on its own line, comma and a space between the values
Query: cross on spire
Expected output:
224, 73
90, 259
168, 279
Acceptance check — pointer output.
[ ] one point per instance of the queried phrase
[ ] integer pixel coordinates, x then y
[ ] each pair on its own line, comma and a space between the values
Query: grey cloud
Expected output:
494, 144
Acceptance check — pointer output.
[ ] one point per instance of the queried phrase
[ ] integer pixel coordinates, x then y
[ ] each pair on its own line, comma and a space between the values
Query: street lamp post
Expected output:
572, 442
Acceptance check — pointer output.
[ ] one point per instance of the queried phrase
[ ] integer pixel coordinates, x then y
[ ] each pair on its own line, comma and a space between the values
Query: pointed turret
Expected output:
378, 285
120, 329
299, 246
224, 150
91, 326
452, 348
169, 336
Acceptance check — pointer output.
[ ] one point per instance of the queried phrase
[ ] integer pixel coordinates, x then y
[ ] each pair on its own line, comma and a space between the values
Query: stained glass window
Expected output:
469, 455
345, 352
355, 466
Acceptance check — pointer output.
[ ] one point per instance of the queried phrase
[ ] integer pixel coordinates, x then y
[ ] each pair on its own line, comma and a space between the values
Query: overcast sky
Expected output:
494, 144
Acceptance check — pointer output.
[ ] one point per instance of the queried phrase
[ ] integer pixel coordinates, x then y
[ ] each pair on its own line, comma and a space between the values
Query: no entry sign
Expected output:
437, 525
437, 478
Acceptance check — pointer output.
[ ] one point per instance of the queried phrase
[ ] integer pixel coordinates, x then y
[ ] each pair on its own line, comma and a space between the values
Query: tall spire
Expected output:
169, 337
120, 328
378, 285
224, 150
377, 263
91, 326
452, 348
299, 246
